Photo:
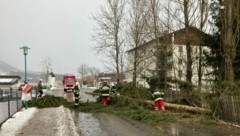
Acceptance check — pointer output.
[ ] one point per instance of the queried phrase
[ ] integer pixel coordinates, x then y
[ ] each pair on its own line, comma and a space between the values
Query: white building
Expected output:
51, 80
7, 82
176, 57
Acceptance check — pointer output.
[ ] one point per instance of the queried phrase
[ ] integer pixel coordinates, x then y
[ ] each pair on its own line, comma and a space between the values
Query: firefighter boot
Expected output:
156, 108
163, 109
162, 106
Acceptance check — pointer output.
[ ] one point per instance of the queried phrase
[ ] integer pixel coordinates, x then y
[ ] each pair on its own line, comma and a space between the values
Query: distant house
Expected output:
7, 81
176, 56
109, 77
88, 80
51, 79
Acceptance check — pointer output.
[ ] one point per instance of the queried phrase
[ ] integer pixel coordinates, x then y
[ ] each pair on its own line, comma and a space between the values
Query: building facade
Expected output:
176, 57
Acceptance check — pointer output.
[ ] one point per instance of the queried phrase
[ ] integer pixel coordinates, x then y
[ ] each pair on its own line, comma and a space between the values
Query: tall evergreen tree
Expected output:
215, 58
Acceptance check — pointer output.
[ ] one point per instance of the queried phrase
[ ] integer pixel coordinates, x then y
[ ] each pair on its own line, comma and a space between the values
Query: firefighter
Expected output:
76, 92
105, 93
113, 88
158, 98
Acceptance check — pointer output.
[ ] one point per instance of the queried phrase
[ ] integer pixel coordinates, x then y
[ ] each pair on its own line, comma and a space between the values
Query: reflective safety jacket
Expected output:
76, 89
158, 96
113, 89
76, 92
105, 90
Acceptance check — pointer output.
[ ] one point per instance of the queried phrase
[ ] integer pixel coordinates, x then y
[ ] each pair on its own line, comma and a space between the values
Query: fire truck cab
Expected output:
68, 82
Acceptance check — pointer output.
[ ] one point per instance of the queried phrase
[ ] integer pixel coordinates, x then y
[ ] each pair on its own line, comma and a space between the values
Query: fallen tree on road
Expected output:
173, 106
184, 107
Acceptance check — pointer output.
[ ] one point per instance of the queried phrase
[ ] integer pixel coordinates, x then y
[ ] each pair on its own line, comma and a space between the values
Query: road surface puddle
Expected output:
87, 124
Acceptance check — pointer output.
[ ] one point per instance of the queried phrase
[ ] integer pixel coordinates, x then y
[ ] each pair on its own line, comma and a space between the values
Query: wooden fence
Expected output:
229, 109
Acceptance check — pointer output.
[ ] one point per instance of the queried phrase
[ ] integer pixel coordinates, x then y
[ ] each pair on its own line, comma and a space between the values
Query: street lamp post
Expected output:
25, 52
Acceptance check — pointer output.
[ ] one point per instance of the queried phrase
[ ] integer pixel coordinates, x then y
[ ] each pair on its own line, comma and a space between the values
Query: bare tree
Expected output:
122, 62
186, 14
204, 11
138, 19
93, 71
161, 48
186, 5
46, 66
83, 70
108, 31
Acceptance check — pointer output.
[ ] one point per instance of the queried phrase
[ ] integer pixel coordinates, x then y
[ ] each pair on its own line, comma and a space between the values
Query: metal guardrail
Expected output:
10, 103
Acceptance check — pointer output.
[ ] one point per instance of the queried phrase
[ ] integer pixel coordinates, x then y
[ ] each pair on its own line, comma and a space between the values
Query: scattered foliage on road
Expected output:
121, 106
48, 101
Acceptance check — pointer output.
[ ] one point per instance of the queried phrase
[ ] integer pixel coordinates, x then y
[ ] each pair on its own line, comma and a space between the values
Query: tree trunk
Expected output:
135, 68
228, 41
117, 57
184, 108
228, 66
202, 11
171, 106
161, 50
188, 46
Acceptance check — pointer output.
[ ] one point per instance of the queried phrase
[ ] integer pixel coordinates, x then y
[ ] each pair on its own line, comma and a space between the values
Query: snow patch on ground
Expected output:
35, 122
92, 88
66, 123
12, 125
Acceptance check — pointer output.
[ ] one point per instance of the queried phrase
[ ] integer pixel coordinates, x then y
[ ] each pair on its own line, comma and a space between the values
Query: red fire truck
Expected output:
68, 82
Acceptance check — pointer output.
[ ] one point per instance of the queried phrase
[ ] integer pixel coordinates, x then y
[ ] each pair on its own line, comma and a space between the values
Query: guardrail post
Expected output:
36, 91
11, 93
1, 93
8, 106
17, 100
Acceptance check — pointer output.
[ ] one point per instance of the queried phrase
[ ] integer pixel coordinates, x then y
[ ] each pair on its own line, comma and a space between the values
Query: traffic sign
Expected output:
27, 88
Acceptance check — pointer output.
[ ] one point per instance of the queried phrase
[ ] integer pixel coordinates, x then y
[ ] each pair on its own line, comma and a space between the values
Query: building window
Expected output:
180, 49
179, 61
169, 63
180, 73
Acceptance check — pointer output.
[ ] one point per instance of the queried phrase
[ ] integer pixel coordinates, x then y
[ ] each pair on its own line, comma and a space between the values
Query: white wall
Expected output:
177, 69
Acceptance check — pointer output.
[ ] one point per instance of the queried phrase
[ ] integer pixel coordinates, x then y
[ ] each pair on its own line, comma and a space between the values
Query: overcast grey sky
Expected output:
59, 29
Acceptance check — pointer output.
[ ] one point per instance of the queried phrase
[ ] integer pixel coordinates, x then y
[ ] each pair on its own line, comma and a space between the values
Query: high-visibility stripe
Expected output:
105, 94
157, 99
105, 88
157, 93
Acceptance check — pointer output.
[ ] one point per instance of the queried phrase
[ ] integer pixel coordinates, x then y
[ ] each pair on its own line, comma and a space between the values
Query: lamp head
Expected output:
25, 49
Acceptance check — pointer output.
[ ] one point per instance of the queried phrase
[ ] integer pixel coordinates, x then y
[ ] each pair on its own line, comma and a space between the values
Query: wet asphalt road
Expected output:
69, 94
103, 124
